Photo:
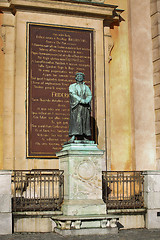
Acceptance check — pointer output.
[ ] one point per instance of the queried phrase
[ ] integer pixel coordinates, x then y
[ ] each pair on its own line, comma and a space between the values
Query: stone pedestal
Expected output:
82, 165
84, 211
152, 198
5, 203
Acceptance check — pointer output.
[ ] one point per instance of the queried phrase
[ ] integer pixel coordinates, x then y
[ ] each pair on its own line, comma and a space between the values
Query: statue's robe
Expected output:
80, 113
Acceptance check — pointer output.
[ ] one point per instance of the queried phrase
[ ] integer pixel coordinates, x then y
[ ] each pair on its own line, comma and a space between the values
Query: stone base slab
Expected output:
153, 219
5, 223
85, 225
79, 146
91, 231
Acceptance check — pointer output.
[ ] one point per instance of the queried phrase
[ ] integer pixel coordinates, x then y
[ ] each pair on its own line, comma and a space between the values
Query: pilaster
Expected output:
5, 203
152, 198
8, 49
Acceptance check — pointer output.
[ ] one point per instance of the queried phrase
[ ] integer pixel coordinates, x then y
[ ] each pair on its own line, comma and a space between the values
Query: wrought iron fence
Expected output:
37, 190
123, 190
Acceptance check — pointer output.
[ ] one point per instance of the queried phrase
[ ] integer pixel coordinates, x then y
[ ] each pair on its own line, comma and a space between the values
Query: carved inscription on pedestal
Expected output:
55, 54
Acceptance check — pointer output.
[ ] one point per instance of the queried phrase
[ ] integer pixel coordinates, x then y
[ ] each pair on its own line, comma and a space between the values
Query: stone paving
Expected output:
134, 234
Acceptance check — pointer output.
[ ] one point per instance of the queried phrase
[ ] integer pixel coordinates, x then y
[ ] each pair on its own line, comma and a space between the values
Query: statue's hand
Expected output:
86, 102
82, 101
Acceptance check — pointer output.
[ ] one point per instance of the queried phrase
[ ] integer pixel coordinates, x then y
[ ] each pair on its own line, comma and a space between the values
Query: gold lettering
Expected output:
56, 94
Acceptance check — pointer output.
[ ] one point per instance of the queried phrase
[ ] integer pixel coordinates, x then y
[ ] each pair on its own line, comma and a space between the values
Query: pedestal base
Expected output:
83, 207
91, 231
86, 225
84, 212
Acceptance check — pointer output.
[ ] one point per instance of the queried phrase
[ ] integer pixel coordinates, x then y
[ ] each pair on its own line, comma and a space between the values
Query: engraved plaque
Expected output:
55, 54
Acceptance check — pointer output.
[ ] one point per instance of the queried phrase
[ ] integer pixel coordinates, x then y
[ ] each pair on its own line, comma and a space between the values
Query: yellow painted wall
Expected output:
121, 123
1, 99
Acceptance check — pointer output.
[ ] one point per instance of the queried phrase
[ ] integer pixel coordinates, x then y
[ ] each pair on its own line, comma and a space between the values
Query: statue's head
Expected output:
79, 77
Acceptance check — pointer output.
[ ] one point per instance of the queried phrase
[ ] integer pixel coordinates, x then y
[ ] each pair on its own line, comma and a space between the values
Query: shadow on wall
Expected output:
94, 130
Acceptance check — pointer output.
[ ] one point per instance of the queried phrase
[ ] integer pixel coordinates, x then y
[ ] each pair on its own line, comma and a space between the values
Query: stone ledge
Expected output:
80, 149
151, 172
37, 214
5, 172
86, 217
127, 211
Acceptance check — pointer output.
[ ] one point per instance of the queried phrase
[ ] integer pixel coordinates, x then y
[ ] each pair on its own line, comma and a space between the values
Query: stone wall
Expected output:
120, 151
142, 88
132, 116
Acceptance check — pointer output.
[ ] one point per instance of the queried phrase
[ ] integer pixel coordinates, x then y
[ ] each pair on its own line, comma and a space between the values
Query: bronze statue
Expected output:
80, 108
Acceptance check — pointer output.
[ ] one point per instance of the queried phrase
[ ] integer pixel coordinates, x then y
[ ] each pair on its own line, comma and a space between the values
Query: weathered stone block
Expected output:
157, 102
156, 77
151, 181
152, 200
158, 140
157, 152
156, 42
5, 203
155, 21
156, 53
156, 66
157, 114
158, 5
8, 19
32, 224
5, 223
157, 125
157, 90
158, 163
153, 7
5, 182
152, 220
132, 221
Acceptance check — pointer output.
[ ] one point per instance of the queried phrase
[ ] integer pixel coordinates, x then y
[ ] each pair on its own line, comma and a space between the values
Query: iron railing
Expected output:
123, 190
37, 190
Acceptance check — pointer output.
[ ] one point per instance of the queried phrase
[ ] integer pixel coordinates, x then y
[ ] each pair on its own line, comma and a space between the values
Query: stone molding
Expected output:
109, 13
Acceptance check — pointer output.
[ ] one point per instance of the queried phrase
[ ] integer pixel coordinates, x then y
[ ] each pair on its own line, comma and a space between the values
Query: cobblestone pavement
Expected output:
134, 234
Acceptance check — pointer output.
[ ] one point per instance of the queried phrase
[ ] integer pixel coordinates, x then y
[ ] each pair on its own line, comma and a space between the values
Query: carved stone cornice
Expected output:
109, 13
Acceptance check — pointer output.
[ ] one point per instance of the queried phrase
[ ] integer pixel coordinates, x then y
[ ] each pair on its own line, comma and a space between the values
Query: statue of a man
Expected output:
80, 108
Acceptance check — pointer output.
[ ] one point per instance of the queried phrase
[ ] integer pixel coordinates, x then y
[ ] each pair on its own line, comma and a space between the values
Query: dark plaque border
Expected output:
54, 54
